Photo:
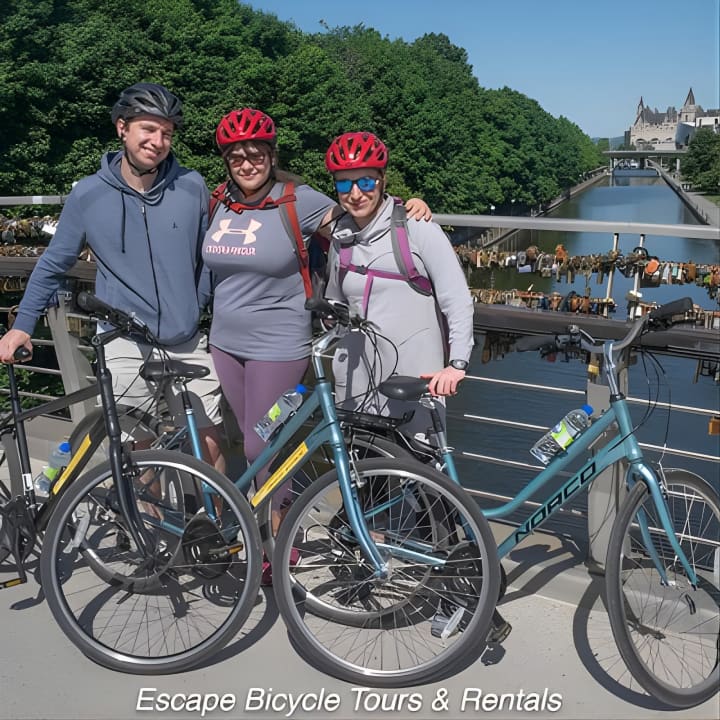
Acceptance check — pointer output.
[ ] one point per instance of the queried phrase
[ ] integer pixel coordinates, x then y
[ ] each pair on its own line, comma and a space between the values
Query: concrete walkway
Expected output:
709, 209
705, 210
559, 661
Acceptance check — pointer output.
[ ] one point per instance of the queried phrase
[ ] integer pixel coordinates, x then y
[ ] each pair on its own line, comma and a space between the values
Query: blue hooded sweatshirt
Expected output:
147, 247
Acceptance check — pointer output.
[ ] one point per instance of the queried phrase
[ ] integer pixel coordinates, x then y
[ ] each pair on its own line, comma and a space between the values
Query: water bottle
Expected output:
280, 412
559, 438
59, 458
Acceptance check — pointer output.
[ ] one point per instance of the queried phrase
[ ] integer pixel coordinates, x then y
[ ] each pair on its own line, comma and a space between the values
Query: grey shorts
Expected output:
124, 358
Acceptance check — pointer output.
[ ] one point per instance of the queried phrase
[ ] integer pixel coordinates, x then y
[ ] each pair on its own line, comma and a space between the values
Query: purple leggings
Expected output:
251, 387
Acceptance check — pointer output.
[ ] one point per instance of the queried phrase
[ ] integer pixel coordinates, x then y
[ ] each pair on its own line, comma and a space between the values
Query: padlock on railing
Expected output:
714, 425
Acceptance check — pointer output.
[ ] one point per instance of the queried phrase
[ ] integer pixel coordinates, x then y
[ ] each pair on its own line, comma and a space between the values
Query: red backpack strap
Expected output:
401, 251
216, 196
289, 217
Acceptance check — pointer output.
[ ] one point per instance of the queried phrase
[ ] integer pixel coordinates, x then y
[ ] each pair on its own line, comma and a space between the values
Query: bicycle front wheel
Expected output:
668, 632
360, 446
171, 605
433, 610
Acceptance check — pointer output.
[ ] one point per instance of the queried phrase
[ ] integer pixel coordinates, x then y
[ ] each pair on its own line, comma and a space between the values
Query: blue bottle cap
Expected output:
588, 409
301, 388
65, 447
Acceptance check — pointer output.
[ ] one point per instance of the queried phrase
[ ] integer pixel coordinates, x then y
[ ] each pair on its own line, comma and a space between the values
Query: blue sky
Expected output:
587, 60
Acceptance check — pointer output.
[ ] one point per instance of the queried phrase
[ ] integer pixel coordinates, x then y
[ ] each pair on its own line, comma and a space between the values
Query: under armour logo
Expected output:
225, 229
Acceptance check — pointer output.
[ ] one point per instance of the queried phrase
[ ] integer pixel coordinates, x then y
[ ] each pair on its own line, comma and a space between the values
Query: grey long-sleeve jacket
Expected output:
410, 337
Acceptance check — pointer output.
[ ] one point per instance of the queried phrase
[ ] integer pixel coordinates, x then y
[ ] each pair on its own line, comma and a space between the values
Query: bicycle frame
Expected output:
327, 431
18, 454
622, 445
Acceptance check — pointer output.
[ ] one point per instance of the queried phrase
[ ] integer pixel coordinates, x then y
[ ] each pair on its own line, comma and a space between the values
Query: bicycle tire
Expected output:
668, 634
136, 425
333, 586
166, 610
5, 549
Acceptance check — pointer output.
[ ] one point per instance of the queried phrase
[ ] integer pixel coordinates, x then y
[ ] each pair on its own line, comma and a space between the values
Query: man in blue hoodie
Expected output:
144, 217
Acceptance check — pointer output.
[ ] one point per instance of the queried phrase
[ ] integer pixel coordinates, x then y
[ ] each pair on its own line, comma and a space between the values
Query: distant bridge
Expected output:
641, 156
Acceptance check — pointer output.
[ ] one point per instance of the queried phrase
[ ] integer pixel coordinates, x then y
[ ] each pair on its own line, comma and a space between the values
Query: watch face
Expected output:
459, 364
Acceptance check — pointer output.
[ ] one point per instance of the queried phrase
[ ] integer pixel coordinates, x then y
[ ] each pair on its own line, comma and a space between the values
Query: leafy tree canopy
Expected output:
701, 165
456, 144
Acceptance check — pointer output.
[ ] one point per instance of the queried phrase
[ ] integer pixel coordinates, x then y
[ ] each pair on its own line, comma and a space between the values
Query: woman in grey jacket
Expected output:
411, 339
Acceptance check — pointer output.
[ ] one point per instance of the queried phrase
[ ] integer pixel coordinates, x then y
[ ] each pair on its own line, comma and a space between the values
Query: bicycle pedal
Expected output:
499, 630
443, 626
12, 582
122, 541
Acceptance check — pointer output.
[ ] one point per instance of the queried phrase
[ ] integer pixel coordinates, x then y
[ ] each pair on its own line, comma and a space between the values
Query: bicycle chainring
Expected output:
205, 549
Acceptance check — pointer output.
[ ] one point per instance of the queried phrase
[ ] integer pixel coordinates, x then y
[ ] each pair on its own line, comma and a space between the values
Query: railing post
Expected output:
608, 489
73, 364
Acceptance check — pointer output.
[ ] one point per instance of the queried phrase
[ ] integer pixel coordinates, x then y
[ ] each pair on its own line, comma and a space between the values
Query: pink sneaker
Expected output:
266, 580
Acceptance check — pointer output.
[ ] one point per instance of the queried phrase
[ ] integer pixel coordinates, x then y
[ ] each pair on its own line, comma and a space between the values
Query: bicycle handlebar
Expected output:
576, 339
125, 322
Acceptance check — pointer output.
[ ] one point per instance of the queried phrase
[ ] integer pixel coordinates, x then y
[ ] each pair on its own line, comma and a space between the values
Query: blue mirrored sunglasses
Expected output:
366, 184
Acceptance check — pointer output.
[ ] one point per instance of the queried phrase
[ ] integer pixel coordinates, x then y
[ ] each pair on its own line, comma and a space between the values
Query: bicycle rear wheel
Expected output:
428, 616
5, 549
169, 607
137, 426
668, 633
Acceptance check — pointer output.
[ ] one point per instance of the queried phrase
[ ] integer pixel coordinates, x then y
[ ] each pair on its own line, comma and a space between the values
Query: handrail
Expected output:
698, 232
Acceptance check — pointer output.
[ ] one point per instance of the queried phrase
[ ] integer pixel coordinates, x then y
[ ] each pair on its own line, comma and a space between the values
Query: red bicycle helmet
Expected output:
245, 124
356, 150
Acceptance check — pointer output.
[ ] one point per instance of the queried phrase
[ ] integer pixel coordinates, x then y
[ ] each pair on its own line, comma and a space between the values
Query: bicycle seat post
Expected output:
125, 491
181, 384
429, 402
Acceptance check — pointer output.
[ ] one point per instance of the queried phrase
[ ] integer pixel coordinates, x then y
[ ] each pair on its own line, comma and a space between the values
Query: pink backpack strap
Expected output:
401, 252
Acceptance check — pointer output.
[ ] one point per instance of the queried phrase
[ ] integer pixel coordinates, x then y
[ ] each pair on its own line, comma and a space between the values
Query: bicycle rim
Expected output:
668, 633
422, 621
172, 606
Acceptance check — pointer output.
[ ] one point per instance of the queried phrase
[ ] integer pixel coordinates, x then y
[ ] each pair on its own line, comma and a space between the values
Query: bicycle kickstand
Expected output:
499, 630
19, 529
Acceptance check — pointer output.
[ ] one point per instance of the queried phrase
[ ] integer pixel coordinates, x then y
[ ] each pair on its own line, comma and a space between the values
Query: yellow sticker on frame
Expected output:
279, 475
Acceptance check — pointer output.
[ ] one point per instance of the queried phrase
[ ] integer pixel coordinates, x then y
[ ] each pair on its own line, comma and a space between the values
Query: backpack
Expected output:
403, 257
407, 271
311, 258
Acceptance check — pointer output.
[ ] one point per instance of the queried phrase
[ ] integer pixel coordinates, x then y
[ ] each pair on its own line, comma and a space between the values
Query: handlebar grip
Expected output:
335, 310
535, 342
676, 307
92, 304
22, 353
320, 305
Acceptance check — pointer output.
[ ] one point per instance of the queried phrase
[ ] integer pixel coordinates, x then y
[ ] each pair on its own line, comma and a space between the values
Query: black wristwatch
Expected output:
459, 364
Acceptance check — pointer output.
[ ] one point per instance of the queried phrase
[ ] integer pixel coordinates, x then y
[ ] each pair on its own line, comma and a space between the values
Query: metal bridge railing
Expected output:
75, 368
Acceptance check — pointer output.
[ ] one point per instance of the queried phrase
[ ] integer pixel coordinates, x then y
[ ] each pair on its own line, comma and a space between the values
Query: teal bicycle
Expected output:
397, 577
662, 574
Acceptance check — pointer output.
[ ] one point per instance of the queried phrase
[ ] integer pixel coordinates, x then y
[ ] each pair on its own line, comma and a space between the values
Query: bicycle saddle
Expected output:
404, 387
159, 370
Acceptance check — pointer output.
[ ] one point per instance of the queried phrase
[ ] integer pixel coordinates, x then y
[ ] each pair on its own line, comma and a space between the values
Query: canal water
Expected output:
637, 199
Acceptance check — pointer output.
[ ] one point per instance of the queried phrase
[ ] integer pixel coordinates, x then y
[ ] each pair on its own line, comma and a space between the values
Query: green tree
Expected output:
701, 164
461, 147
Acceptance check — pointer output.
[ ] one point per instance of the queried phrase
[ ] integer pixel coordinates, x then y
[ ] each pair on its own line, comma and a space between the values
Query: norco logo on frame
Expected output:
572, 486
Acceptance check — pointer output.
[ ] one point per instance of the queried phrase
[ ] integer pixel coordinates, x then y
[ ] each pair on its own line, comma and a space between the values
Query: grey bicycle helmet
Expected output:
148, 99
